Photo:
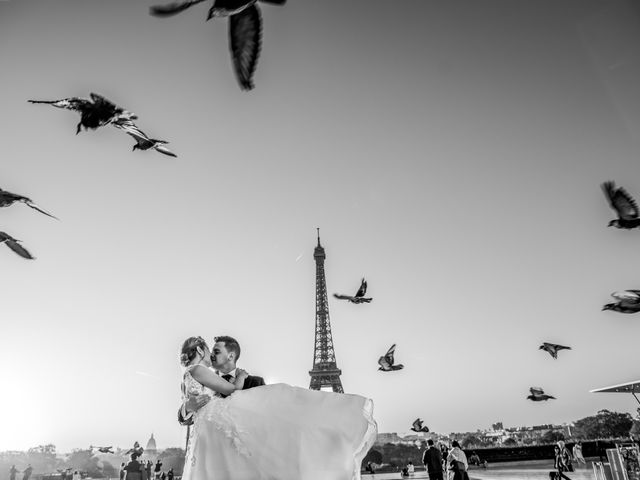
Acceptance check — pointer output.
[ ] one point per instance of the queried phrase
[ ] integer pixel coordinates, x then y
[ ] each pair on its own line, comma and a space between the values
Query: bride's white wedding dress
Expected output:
278, 432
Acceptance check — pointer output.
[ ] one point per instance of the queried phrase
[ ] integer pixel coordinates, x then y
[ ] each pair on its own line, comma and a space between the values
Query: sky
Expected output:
451, 152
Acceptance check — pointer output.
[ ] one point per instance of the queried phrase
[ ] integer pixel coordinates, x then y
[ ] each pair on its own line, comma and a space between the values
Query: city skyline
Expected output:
451, 154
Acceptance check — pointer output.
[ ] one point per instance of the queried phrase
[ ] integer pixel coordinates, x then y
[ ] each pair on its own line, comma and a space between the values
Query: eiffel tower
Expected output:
325, 372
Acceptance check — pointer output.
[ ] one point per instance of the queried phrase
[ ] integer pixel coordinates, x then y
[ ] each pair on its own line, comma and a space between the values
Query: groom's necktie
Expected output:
228, 378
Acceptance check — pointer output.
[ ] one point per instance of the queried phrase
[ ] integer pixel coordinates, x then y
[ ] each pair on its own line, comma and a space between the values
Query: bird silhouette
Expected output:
14, 245
358, 297
137, 449
7, 199
623, 204
143, 142
386, 362
103, 449
245, 31
538, 395
94, 113
418, 427
552, 348
628, 302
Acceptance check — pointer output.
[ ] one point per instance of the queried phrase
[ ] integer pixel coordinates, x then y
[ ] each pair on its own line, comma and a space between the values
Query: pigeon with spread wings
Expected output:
103, 449
94, 113
552, 348
143, 142
245, 31
14, 244
623, 204
418, 427
628, 302
7, 199
358, 297
538, 395
386, 362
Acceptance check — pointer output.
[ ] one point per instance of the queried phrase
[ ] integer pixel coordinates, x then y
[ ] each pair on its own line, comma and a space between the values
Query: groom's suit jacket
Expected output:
250, 382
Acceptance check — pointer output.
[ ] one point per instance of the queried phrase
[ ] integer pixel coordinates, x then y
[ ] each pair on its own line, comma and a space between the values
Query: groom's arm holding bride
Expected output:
209, 379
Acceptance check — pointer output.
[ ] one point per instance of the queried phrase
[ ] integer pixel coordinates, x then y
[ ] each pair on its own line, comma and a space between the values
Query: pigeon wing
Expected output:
165, 150
363, 289
100, 102
342, 297
132, 129
620, 201
536, 391
627, 297
19, 249
245, 40
171, 9
36, 207
389, 354
417, 424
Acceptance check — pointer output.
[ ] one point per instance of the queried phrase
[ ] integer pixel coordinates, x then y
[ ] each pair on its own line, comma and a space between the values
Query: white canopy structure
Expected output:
629, 387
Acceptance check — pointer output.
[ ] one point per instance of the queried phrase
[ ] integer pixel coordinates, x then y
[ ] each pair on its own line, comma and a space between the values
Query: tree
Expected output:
173, 458
551, 436
373, 456
43, 458
84, 460
604, 424
471, 441
509, 442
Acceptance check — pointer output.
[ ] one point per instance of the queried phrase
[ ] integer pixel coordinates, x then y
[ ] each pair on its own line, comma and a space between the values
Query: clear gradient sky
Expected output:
450, 151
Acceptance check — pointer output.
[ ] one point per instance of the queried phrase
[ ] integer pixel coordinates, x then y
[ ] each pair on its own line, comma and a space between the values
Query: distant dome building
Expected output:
151, 449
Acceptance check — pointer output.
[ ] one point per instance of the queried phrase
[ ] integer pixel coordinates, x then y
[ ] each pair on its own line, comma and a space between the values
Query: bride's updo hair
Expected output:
190, 349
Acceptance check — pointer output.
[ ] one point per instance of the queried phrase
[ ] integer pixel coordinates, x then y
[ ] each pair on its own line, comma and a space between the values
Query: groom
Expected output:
224, 355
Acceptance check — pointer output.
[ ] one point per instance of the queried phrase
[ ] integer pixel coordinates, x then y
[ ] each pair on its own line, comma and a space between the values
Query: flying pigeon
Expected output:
94, 113
245, 31
143, 142
386, 362
14, 245
624, 205
359, 296
628, 302
8, 198
103, 449
137, 449
538, 395
552, 348
418, 427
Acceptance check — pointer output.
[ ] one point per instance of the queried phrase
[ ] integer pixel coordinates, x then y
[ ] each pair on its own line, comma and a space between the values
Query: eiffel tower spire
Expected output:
325, 372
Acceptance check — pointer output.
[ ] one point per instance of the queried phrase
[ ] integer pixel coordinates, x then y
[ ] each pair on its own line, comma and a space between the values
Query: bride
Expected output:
272, 432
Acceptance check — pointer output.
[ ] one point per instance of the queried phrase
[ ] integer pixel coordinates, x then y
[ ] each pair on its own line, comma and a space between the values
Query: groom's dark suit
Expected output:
249, 382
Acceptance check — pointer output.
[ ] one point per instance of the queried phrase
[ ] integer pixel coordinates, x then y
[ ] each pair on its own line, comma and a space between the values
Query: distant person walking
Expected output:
457, 462
27, 472
12, 472
158, 469
432, 460
566, 456
123, 472
559, 464
148, 467
577, 453
444, 452
170, 474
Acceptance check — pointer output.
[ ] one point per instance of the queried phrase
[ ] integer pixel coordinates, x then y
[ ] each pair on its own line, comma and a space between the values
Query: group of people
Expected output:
240, 428
563, 459
13, 471
144, 470
437, 461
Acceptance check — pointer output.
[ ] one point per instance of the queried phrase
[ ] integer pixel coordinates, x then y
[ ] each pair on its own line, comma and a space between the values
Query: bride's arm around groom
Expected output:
224, 356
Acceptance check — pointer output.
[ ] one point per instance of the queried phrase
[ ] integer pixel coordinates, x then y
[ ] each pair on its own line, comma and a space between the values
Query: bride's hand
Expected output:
241, 376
